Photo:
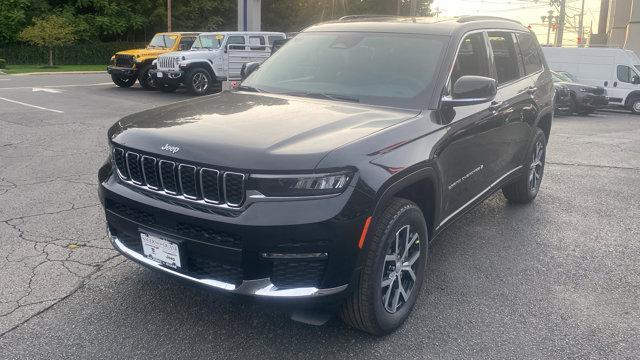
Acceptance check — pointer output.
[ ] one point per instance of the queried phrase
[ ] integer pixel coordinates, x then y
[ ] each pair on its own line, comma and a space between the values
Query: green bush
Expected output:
77, 54
3, 63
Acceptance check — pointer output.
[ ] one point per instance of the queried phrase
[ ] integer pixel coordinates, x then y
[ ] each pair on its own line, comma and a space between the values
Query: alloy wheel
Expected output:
636, 106
200, 82
398, 272
537, 166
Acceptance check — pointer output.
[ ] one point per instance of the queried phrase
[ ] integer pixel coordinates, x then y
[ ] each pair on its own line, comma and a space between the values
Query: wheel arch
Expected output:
420, 186
205, 65
635, 94
544, 123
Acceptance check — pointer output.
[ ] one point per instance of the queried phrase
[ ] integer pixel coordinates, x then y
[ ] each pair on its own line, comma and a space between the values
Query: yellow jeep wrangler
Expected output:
127, 66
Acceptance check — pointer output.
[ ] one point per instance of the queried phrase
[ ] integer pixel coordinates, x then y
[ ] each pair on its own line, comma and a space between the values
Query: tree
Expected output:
50, 32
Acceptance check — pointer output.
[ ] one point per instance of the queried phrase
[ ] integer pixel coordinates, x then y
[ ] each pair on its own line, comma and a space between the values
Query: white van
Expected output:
214, 57
617, 70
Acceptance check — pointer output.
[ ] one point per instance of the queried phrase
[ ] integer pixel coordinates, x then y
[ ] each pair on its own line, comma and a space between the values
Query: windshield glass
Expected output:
162, 41
208, 42
559, 77
376, 68
637, 67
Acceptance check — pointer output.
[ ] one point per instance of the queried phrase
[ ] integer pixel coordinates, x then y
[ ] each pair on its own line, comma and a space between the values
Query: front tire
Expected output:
525, 188
394, 268
198, 81
123, 81
146, 80
634, 106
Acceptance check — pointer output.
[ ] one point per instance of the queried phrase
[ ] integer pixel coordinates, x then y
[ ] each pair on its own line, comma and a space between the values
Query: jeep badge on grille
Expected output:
171, 149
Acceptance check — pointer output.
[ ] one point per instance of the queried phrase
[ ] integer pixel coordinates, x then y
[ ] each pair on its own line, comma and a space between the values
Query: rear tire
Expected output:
198, 81
378, 305
146, 80
525, 188
123, 81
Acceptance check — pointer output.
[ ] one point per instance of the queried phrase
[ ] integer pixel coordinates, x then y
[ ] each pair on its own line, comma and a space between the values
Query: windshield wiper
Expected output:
328, 96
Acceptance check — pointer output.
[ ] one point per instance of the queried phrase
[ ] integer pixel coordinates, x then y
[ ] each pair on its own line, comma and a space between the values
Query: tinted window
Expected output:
505, 57
471, 59
530, 55
373, 68
274, 37
626, 74
236, 42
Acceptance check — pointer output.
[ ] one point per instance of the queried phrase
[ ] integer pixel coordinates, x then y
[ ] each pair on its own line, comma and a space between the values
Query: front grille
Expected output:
167, 62
297, 273
186, 181
130, 213
208, 235
124, 60
596, 91
205, 268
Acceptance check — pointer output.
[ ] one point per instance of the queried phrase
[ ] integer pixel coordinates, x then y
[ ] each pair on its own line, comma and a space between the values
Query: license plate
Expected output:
161, 250
159, 74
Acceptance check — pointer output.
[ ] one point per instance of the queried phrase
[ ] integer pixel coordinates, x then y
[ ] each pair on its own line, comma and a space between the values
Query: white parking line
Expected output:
55, 86
33, 106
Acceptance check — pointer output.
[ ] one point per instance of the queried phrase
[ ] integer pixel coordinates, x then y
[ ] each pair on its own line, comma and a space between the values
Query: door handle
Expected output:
615, 84
532, 90
495, 106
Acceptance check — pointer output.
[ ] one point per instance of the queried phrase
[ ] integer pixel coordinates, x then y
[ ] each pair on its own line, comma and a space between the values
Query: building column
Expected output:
619, 13
632, 41
249, 15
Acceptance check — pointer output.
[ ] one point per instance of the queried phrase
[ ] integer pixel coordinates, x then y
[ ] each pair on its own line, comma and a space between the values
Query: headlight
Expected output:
301, 185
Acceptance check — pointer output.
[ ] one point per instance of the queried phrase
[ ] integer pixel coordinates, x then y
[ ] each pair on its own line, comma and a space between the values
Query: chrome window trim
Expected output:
195, 182
224, 189
144, 175
173, 167
126, 157
202, 170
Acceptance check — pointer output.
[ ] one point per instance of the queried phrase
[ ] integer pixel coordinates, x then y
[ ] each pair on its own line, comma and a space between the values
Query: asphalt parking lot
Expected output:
557, 279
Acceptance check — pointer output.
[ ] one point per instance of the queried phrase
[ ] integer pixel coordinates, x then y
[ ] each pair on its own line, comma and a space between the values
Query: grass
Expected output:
21, 69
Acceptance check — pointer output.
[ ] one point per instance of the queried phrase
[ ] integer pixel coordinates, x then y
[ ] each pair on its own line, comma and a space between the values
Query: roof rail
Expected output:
468, 18
364, 16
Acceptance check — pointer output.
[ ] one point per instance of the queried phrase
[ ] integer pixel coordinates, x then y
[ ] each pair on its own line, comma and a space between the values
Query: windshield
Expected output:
559, 77
637, 67
162, 41
208, 42
382, 69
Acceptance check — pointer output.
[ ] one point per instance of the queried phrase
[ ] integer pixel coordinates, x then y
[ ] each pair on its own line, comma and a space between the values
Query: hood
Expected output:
253, 131
143, 52
576, 86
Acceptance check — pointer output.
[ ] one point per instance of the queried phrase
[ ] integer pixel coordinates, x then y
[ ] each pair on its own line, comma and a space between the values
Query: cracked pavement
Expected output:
555, 279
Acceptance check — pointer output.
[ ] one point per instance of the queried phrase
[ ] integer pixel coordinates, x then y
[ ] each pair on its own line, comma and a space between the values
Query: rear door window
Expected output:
505, 56
236, 42
529, 52
472, 58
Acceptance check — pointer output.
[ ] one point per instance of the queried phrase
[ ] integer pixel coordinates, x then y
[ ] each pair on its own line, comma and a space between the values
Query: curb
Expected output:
60, 73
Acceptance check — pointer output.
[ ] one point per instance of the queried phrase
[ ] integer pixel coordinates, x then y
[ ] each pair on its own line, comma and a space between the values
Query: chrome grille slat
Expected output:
210, 185
187, 179
203, 185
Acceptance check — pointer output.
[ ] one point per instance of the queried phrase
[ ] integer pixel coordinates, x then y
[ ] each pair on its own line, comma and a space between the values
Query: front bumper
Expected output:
121, 71
238, 254
592, 101
174, 77
258, 287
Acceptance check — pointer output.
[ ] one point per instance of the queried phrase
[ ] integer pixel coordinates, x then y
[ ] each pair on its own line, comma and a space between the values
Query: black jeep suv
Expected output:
327, 174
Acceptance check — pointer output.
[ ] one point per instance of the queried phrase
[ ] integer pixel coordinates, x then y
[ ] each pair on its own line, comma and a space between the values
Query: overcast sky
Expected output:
528, 12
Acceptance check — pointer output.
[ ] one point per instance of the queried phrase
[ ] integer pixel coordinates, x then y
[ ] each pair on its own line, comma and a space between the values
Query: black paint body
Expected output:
445, 159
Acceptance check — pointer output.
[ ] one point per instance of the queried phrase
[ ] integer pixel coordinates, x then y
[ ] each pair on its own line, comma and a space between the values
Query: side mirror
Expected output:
471, 90
248, 68
635, 80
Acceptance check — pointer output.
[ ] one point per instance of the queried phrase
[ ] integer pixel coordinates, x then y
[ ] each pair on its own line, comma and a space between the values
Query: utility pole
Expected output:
414, 8
563, 13
581, 26
168, 15
549, 19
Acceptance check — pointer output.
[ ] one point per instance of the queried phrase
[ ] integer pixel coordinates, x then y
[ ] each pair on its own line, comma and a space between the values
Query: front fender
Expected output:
190, 64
